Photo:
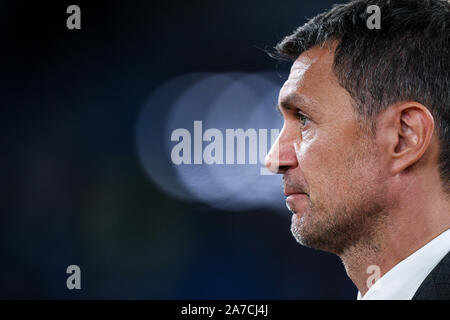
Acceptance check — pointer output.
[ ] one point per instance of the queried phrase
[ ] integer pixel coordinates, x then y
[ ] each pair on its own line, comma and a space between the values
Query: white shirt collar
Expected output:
403, 280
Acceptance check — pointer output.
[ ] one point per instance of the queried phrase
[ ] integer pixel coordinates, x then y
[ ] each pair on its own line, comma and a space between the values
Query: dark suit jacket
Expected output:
436, 285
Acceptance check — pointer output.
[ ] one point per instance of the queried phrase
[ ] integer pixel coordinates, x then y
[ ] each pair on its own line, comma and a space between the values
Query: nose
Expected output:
282, 156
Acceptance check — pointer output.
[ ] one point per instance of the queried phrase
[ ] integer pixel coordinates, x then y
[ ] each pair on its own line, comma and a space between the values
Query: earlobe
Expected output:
415, 126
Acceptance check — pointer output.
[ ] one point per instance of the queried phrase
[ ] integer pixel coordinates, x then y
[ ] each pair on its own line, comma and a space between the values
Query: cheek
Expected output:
312, 151
321, 159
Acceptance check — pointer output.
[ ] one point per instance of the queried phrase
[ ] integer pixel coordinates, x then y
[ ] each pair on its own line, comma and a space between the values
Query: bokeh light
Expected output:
220, 101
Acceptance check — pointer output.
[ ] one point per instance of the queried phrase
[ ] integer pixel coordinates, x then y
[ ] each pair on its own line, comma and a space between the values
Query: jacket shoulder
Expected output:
436, 285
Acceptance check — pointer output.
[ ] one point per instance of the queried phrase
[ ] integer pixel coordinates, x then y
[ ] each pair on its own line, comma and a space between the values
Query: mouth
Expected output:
296, 201
289, 192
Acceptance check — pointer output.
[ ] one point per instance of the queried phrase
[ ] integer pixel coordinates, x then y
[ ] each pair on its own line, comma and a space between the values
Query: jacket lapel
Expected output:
436, 285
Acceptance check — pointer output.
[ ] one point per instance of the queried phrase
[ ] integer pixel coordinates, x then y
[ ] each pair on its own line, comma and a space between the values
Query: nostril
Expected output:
283, 169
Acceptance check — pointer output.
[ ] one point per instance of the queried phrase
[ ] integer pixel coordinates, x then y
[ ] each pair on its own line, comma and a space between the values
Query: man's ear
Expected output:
405, 132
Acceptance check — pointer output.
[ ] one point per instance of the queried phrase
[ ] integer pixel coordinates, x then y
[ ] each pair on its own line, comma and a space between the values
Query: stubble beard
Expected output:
338, 229
335, 223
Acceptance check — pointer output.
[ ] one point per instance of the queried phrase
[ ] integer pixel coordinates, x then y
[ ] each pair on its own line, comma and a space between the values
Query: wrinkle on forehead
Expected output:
297, 73
300, 66
315, 64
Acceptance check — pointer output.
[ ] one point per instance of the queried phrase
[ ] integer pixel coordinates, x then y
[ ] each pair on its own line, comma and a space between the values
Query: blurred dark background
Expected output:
72, 188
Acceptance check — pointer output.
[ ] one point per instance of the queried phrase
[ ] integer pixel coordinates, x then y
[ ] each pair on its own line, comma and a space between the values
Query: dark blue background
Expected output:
72, 188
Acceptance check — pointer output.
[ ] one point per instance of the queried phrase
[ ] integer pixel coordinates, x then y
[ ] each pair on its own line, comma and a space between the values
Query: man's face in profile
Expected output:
333, 176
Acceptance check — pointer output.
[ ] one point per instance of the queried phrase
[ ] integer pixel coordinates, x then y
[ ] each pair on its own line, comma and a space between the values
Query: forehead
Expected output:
312, 77
307, 70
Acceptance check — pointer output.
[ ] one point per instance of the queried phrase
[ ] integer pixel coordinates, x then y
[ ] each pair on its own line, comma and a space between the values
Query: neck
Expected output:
417, 218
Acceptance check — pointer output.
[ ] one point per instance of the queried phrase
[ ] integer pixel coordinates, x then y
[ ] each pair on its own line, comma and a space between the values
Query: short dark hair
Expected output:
408, 58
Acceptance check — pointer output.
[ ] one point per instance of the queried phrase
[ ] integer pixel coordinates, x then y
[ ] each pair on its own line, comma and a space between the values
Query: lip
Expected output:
296, 202
289, 192
294, 196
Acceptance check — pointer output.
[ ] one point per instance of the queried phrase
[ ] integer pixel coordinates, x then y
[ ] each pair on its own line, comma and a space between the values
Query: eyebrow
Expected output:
296, 101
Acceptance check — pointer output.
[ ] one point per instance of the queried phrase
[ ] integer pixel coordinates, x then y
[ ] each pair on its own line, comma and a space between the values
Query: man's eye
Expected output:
303, 119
